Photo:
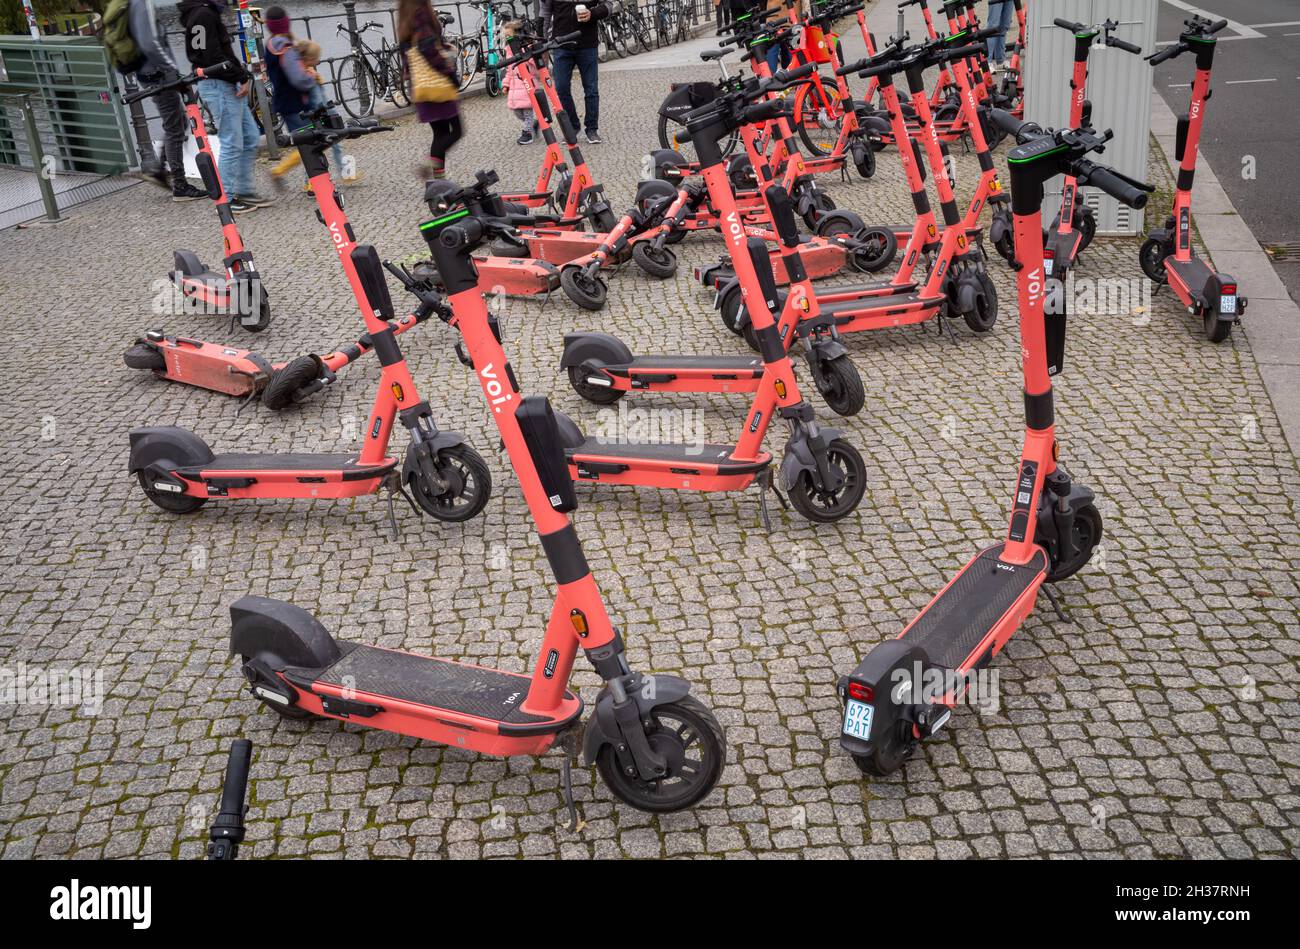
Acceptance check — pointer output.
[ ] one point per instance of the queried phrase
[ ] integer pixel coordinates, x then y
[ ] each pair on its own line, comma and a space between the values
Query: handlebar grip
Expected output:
852, 67
764, 111
1117, 187
235, 787
1124, 45
1169, 52
567, 37
961, 52
402, 276
1068, 25
1217, 25
784, 76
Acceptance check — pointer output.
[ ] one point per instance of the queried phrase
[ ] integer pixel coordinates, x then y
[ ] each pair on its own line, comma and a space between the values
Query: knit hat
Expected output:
277, 21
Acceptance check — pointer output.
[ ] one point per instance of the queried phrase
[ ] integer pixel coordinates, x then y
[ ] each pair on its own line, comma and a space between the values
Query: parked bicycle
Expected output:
484, 49
369, 75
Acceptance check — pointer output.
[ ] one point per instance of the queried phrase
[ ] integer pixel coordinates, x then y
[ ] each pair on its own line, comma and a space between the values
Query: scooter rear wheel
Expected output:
144, 356
285, 384
599, 395
825, 507
588, 291
1087, 535
1216, 329
170, 502
470, 486
658, 262
893, 748
689, 736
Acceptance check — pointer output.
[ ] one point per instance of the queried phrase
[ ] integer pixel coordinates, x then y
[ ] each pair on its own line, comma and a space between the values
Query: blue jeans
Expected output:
586, 60
296, 120
778, 57
1001, 15
236, 131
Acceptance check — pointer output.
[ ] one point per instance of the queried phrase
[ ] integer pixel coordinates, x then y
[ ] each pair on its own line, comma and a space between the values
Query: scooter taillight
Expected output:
861, 692
1228, 288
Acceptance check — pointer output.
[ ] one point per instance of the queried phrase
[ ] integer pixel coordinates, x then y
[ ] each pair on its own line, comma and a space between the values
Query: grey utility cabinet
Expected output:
1119, 88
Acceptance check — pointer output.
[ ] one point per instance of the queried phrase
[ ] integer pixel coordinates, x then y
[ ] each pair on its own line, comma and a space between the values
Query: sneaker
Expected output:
525, 138
256, 200
184, 191
240, 206
158, 176
351, 179
593, 137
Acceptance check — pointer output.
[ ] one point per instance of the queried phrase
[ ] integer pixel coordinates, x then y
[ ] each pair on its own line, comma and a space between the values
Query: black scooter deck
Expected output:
342, 462
423, 680
720, 363
956, 621
688, 456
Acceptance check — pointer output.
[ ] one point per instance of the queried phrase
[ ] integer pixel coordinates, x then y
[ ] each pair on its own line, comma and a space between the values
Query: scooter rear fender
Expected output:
593, 347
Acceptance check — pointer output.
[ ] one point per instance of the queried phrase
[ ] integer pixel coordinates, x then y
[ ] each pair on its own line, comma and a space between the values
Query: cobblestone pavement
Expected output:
1160, 721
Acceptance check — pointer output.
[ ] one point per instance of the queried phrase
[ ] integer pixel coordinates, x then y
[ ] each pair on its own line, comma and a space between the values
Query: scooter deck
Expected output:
372, 675
695, 364
342, 463
881, 312
967, 622
700, 467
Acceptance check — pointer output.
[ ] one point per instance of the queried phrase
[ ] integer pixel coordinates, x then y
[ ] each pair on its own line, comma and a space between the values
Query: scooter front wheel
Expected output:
1151, 255
1086, 532
586, 290
169, 501
985, 311
874, 250
469, 485
824, 506
688, 735
658, 262
841, 386
286, 385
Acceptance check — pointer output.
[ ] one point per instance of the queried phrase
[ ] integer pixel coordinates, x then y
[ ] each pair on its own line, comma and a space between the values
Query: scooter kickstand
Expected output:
394, 485
1056, 605
569, 745
768, 484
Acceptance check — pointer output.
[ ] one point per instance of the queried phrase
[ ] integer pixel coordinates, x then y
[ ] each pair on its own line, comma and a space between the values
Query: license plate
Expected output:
857, 719
1047, 267
1228, 303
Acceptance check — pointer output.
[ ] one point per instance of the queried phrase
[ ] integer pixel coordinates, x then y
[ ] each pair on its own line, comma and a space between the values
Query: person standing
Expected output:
560, 18
207, 43
291, 84
418, 28
157, 67
1001, 13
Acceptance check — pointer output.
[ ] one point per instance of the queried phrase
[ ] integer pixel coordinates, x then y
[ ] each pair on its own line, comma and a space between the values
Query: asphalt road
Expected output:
1250, 118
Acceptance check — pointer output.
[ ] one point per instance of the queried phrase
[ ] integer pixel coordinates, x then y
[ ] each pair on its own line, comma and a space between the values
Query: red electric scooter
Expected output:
1166, 255
656, 747
1075, 225
179, 473
239, 291
904, 690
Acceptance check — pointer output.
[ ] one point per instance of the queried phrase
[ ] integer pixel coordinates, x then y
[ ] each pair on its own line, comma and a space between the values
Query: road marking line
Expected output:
1238, 82
1180, 85
1241, 29
1264, 26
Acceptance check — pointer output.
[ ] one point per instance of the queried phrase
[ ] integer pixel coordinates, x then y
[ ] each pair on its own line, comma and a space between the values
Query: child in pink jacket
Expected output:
518, 100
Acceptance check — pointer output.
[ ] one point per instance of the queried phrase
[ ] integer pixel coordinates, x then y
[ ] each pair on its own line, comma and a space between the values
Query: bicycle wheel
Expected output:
817, 116
640, 29
352, 87
396, 79
469, 57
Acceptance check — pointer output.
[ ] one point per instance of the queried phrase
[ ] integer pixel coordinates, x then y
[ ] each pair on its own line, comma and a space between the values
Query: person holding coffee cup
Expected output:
562, 17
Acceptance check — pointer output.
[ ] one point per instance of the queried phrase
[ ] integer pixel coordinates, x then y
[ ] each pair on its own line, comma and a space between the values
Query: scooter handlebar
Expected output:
1069, 25
1124, 45
1022, 132
1120, 187
764, 111
1169, 52
227, 831
784, 78
1216, 26
310, 135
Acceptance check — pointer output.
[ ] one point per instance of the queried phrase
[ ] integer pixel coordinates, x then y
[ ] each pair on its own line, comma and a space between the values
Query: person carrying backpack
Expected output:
135, 46
207, 43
